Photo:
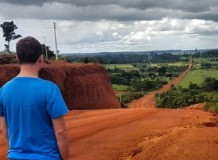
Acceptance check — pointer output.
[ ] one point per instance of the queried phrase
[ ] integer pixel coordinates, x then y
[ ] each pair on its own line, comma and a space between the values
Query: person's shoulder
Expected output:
48, 83
7, 83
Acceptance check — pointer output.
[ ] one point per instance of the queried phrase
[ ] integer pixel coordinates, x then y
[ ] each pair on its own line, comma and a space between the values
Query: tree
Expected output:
162, 70
86, 60
210, 84
9, 34
47, 52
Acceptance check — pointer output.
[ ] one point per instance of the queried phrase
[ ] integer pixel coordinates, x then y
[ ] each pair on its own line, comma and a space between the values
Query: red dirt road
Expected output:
141, 134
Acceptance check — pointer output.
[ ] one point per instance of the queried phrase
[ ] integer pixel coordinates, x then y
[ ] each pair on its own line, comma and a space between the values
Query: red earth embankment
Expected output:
83, 86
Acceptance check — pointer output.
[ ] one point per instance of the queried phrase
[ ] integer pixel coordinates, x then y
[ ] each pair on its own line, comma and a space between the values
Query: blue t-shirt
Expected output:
29, 105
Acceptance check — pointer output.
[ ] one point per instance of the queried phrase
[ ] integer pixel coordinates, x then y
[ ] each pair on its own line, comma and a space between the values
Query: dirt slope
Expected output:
83, 86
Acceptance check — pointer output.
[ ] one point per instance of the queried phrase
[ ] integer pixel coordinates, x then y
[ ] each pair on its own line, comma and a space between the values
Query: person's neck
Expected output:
28, 70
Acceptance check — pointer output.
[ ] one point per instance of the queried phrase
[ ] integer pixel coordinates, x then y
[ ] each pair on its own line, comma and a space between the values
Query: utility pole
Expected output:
56, 48
46, 52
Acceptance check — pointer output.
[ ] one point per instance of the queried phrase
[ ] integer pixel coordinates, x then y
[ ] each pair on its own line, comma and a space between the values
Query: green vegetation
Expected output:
200, 85
143, 78
208, 54
198, 76
136, 73
181, 97
8, 29
138, 79
128, 97
120, 87
120, 66
212, 107
177, 64
128, 57
7, 58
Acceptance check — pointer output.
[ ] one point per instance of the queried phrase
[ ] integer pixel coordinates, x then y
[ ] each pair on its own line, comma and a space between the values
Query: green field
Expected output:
197, 76
119, 87
169, 64
131, 67
126, 67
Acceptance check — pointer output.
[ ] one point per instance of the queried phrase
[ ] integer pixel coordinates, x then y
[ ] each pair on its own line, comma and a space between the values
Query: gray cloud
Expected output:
64, 11
186, 5
208, 16
73, 2
120, 10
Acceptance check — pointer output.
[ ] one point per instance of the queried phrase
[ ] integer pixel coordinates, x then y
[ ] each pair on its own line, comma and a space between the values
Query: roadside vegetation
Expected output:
200, 85
132, 81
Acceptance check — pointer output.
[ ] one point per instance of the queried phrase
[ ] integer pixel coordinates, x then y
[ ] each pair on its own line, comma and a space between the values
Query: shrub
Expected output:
7, 58
126, 98
212, 107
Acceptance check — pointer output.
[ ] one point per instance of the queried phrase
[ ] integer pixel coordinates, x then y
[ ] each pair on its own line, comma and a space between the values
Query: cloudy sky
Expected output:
115, 25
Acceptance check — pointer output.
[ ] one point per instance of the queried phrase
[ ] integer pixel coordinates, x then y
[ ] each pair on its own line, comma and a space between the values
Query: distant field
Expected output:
199, 61
120, 66
197, 76
130, 66
119, 87
169, 64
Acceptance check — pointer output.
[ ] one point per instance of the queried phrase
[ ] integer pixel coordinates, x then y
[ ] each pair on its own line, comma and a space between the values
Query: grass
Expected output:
131, 67
197, 76
212, 107
119, 66
119, 87
177, 64
199, 61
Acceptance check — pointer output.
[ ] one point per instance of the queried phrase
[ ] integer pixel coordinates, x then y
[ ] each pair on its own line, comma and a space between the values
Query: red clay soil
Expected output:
148, 100
140, 134
83, 86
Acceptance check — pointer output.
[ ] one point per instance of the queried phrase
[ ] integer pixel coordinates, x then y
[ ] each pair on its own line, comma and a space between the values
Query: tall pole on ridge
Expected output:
56, 48
46, 52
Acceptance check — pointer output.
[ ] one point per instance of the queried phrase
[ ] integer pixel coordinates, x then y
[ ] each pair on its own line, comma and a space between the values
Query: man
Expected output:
32, 110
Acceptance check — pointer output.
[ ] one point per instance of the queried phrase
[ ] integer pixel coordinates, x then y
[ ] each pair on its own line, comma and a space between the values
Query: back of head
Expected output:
28, 50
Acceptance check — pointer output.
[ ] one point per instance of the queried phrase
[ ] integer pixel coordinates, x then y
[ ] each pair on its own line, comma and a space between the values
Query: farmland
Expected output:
131, 81
199, 85
198, 76
120, 66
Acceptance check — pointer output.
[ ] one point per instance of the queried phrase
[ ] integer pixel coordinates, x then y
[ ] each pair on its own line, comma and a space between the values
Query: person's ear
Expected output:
41, 59
17, 58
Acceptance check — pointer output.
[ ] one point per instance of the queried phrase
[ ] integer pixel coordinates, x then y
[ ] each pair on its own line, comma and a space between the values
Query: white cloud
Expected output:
115, 25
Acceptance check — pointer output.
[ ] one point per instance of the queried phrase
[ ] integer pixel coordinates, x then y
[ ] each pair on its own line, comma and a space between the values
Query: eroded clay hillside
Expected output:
83, 86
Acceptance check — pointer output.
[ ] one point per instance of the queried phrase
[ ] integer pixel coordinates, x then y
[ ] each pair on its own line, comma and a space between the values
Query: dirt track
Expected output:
146, 134
148, 100
141, 134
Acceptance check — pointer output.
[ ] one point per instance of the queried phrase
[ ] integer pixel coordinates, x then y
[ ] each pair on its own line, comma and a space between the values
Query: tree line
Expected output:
207, 54
125, 58
141, 57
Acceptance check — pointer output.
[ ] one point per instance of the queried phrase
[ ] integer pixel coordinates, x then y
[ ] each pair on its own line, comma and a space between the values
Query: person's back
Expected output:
33, 111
